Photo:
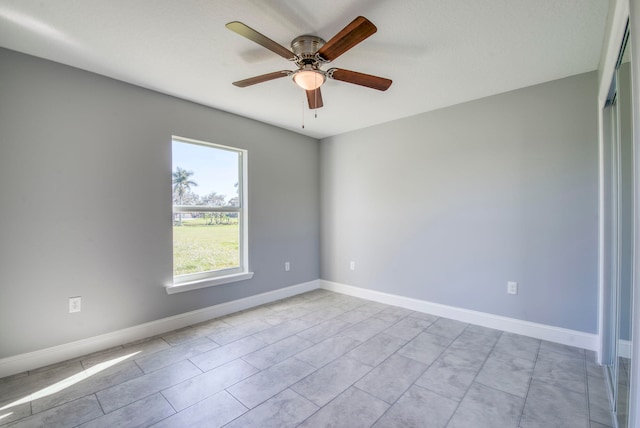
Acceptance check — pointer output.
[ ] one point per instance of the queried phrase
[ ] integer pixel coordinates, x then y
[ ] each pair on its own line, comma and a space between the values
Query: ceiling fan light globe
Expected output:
309, 80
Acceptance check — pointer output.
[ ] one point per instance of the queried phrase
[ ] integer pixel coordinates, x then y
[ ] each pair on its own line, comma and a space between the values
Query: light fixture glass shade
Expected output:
308, 79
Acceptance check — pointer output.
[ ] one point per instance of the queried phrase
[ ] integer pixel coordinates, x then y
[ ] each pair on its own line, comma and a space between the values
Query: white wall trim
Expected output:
611, 49
56, 354
602, 311
608, 60
634, 391
512, 325
181, 287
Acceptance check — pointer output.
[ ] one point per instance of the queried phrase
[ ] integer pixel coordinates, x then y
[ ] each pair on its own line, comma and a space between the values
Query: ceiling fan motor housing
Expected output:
305, 47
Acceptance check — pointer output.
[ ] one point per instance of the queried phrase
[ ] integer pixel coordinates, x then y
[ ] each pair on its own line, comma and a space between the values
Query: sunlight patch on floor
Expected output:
66, 383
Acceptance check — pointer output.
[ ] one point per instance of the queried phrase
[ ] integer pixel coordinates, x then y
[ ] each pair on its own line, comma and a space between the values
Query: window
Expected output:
209, 215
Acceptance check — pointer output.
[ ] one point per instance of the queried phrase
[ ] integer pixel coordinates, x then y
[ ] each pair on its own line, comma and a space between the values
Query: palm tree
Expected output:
182, 184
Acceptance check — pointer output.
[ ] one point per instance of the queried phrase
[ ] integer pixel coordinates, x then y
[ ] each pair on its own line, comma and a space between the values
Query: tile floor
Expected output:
316, 360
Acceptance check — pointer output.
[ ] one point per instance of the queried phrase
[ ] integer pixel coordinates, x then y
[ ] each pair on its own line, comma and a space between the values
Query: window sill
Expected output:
207, 282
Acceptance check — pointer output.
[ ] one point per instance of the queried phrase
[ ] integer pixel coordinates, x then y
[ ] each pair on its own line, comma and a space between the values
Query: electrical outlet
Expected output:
75, 304
352, 265
512, 287
287, 266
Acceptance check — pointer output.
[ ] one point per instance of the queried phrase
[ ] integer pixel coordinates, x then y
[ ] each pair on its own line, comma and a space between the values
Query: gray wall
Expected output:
85, 167
448, 206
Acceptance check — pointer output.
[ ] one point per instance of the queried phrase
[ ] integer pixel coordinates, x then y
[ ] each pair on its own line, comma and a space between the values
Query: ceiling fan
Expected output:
310, 53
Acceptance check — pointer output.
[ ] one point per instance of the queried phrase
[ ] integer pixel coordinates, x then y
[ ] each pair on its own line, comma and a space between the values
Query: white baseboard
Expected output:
539, 331
56, 354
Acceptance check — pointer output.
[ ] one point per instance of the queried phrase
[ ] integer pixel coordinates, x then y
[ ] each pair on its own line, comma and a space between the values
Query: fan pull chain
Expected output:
303, 111
315, 95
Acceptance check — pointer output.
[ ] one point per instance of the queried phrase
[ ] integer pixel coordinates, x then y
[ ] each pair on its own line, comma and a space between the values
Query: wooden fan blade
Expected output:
262, 78
359, 29
374, 82
261, 39
314, 97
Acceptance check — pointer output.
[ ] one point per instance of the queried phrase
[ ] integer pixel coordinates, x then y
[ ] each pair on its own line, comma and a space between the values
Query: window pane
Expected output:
205, 242
204, 175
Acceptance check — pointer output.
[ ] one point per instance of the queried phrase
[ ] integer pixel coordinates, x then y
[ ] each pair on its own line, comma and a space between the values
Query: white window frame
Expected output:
198, 280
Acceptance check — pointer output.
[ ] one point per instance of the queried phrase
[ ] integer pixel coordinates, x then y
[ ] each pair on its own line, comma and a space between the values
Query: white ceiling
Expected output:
438, 52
